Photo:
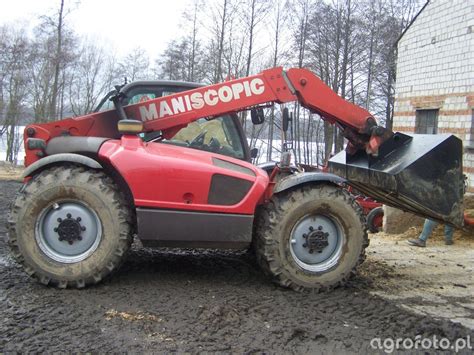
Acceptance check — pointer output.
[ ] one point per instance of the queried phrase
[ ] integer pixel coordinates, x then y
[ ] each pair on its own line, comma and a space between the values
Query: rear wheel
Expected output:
311, 237
375, 219
70, 226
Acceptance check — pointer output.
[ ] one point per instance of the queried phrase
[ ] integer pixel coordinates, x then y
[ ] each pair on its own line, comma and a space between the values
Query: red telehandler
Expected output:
170, 164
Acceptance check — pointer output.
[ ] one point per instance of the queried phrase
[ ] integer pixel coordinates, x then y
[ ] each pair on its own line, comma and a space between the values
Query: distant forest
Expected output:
52, 72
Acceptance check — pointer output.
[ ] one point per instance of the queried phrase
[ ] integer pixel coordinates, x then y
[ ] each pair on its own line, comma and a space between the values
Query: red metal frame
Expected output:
367, 203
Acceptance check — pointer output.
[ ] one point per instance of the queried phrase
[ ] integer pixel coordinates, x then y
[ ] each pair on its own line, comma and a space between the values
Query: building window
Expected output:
426, 121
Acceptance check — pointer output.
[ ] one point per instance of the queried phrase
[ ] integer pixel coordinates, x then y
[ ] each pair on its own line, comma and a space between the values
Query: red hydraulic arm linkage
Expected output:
169, 114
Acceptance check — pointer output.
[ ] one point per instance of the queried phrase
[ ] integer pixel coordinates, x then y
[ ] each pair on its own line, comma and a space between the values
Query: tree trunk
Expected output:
339, 144
218, 74
57, 66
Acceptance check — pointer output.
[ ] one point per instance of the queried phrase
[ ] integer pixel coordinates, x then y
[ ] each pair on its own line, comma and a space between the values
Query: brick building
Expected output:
435, 75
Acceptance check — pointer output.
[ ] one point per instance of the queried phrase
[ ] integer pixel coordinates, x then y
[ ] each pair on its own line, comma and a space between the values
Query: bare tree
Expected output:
194, 52
54, 51
57, 60
14, 64
90, 78
253, 12
302, 10
278, 22
135, 65
221, 18
184, 57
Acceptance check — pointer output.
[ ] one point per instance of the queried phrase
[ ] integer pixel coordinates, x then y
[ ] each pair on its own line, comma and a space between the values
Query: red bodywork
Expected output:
172, 177
367, 203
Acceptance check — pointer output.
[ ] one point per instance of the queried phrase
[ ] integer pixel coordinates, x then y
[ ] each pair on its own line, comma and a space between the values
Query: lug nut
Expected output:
70, 242
311, 229
60, 220
56, 230
305, 235
320, 228
78, 219
305, 245
68, 215
79, 238
83, 228
311, 251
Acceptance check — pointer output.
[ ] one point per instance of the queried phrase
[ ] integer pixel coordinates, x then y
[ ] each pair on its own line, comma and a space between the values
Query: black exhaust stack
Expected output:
420, 173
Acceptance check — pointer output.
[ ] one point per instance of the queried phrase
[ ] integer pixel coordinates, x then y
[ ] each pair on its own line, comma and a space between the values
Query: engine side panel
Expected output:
164, 176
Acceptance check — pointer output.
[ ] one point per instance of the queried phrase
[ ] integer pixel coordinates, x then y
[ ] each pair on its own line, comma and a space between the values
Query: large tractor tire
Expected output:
70, 226
311, 237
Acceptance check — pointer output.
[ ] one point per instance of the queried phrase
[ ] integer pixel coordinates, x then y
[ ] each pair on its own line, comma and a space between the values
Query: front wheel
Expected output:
69, 227
312, 237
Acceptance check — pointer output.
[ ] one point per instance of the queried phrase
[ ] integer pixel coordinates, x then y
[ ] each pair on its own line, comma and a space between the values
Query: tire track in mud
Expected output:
191, 301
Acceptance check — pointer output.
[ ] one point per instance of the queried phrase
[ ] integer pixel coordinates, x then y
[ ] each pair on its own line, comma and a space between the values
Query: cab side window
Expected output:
141, 97
218, 135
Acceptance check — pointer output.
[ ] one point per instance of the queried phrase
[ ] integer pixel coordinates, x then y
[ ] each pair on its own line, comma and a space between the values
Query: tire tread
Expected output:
83, 176
266, 243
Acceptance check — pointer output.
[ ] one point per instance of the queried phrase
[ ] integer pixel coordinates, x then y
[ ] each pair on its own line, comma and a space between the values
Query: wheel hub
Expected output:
316, 240
69, 229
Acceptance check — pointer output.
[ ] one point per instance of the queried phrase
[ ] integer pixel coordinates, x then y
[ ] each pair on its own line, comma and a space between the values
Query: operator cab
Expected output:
223, 135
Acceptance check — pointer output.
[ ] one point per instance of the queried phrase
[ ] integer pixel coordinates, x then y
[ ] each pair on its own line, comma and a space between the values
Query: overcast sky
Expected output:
125, 24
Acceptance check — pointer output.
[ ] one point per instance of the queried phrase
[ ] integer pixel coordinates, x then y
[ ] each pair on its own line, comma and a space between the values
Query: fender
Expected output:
70, 144
267, 166
303, 178
60, 158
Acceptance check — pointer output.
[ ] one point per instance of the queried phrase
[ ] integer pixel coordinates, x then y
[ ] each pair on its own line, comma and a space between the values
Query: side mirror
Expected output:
130, 126
258, 117
285, 119
253, 153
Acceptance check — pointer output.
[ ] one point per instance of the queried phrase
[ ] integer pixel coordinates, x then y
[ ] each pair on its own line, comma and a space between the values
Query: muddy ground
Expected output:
220, 301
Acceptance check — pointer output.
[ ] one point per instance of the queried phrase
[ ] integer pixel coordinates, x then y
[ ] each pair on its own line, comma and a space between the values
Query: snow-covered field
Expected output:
3, 147
262, 146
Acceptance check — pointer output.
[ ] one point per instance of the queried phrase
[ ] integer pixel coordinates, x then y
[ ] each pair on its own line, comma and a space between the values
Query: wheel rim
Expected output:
378, 220
316, 243
68, 231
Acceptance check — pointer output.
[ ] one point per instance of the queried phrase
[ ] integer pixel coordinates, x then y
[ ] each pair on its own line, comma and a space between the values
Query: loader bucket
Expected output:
420, 173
